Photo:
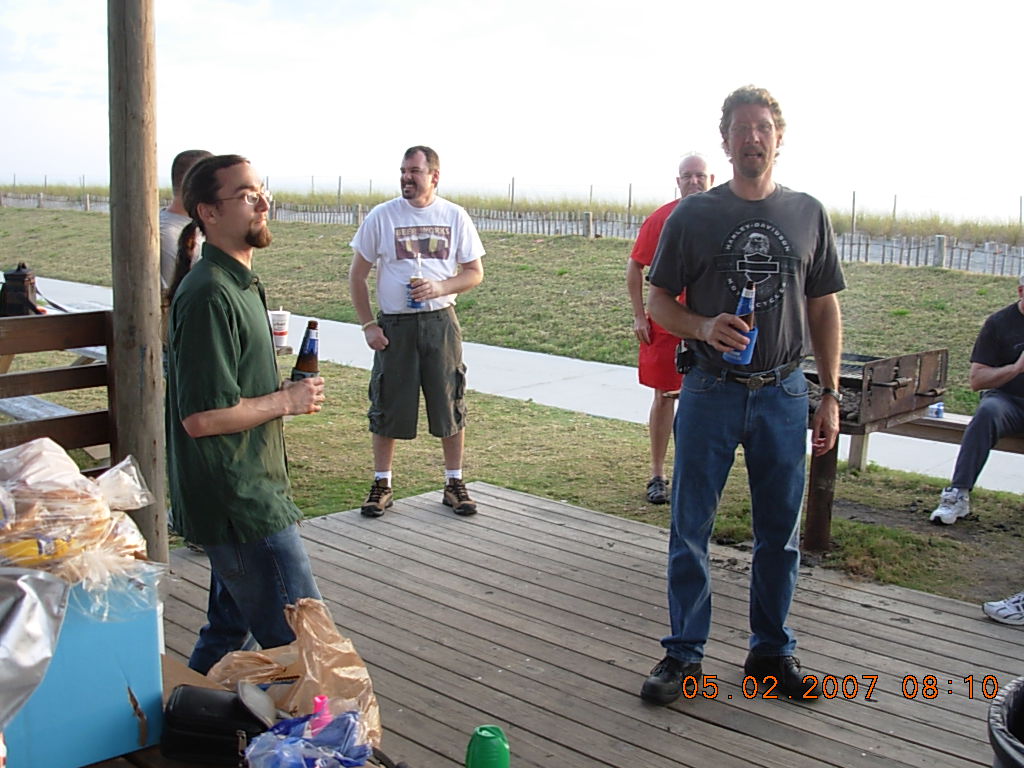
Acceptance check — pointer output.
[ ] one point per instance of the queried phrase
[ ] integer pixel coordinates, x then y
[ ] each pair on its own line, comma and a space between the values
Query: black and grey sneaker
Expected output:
380, 498
657, 491
665, 683
783, 671
457, 497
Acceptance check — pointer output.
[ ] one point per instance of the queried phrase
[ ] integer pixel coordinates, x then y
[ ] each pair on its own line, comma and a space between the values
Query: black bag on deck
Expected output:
211, 725
18, 293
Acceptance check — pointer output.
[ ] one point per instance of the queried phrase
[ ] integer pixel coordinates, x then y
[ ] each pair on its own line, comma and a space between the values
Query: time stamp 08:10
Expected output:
848, 687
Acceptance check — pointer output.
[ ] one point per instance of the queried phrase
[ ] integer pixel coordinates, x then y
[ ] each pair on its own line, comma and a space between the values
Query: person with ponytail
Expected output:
173, 219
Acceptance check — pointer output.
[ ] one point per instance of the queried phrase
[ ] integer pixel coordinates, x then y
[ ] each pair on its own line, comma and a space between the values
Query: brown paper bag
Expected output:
321, 661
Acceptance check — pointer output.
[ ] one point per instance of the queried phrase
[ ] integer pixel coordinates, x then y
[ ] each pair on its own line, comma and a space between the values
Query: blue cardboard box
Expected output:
102, 695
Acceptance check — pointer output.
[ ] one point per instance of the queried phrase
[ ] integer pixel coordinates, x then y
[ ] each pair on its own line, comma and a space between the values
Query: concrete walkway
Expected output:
599, 389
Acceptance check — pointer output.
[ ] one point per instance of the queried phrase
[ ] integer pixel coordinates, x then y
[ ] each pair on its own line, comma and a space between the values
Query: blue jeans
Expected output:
250, 584
998, 414
714, 417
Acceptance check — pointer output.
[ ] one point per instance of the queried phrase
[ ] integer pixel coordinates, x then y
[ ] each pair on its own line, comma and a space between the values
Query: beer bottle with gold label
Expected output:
308, 362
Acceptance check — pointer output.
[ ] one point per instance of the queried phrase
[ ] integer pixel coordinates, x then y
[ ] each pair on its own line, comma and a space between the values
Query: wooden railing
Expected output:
78, 332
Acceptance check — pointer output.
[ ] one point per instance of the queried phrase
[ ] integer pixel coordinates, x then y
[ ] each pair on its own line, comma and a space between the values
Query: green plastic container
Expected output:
488, 748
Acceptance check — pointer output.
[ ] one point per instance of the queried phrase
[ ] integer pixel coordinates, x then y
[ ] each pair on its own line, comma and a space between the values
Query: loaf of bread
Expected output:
52, 511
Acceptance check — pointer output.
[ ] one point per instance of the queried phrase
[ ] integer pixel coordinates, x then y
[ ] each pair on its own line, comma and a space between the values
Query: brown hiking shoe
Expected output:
457, 497
381, 497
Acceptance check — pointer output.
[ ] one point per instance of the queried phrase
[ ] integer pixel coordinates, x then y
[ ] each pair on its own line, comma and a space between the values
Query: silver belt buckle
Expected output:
756, 382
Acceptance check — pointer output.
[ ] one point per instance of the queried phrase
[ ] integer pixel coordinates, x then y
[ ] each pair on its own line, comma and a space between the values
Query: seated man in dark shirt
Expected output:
997, 365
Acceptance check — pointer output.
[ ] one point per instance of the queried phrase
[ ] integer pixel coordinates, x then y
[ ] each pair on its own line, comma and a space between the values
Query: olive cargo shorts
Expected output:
424, 351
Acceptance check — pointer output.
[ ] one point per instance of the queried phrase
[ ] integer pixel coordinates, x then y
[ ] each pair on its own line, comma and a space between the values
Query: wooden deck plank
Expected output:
733, 598
894, 609
389, 616
544, 617
884, 723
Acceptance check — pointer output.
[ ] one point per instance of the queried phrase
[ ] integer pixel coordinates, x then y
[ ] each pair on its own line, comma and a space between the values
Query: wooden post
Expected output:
939, 257
821, 491
853, 215
588, 225
858, 455
137, 353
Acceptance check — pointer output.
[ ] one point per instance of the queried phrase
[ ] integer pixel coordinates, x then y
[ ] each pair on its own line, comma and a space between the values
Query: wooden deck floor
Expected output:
544, 618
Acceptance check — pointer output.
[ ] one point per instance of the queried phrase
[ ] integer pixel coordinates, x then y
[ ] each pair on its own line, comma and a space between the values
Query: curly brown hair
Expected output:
750, 94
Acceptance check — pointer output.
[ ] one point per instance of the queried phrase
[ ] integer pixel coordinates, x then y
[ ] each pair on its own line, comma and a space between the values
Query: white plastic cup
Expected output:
279, 319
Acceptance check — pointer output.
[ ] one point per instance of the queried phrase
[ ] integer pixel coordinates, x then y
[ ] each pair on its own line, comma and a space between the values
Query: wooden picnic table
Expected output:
86, 356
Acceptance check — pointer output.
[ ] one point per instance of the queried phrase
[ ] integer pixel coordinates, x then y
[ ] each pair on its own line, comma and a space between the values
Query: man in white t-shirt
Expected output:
426, 251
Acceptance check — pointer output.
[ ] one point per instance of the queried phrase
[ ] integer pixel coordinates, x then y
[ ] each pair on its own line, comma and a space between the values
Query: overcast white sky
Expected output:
921, 100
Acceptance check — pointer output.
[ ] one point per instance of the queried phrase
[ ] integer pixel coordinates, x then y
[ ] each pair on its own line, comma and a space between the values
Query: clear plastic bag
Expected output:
121, 594
123, 486
53, 518
57, 511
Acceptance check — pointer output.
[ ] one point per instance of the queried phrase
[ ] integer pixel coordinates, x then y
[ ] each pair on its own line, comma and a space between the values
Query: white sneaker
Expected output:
953, 504
1008, 611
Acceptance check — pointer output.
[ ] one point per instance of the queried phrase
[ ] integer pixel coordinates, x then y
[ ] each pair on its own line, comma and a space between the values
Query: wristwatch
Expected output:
832, 393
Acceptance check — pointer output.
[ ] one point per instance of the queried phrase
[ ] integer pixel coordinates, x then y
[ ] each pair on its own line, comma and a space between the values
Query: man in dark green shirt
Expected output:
225, 403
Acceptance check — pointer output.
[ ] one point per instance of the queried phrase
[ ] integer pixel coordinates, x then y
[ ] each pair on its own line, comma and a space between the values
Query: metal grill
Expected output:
882, 392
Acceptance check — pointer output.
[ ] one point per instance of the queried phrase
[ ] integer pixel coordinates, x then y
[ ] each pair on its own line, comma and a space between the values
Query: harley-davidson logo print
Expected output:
758, 250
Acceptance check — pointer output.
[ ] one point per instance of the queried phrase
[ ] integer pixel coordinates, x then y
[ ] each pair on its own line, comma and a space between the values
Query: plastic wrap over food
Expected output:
41, 463
54, 518
32, 606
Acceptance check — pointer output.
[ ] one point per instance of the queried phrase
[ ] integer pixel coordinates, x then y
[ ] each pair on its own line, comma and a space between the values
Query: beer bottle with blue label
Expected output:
308, 362
745, 312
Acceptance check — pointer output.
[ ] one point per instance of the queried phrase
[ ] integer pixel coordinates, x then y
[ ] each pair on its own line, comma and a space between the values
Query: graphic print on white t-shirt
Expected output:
424, 241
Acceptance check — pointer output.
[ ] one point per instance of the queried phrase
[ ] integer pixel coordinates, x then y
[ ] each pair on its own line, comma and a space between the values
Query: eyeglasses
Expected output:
251, 198
742, 129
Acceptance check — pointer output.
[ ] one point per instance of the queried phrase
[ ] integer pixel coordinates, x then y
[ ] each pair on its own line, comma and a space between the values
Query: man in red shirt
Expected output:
656, 363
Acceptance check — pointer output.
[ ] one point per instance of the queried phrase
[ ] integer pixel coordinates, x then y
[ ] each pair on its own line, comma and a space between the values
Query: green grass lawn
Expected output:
563, 295
566, 295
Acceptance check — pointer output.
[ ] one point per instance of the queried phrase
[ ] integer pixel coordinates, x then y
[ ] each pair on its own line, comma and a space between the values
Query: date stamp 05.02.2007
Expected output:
926, 686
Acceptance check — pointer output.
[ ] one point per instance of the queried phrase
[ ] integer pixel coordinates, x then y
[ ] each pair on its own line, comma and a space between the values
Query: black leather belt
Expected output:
770, 378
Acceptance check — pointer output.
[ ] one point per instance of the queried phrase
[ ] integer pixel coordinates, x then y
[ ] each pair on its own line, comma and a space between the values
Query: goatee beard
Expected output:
259, 238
